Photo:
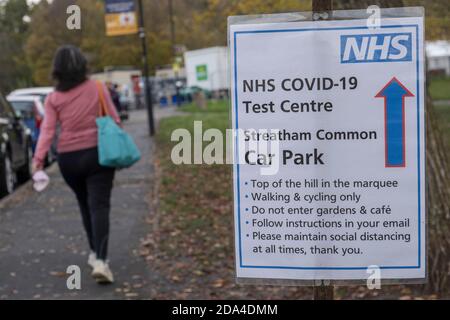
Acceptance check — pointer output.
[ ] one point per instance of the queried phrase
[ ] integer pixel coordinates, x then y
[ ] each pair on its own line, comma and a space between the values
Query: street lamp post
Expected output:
147, 87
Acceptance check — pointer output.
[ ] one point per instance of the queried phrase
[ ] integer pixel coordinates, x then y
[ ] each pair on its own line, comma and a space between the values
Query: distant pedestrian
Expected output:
137, 91
75, 105
115, 96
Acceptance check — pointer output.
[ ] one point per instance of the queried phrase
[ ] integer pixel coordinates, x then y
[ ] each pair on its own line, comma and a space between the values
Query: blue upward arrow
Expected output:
394, 94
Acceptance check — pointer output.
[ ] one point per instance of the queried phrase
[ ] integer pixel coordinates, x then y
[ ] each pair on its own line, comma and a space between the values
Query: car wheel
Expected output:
24, 173
7, 177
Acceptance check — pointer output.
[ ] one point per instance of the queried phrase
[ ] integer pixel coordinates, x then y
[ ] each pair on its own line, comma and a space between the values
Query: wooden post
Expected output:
323, 292
322, 6
322, 11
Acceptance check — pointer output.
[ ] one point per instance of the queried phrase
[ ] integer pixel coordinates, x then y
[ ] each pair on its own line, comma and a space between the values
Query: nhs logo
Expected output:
386, 47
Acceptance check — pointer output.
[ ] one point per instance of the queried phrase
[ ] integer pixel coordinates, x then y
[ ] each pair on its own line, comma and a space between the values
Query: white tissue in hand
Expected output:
41, 181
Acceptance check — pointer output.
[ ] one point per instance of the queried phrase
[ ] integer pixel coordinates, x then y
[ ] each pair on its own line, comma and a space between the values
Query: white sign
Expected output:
330, 149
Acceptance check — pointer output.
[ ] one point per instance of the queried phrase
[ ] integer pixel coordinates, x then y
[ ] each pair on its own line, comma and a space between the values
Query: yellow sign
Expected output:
120, 17
119, 24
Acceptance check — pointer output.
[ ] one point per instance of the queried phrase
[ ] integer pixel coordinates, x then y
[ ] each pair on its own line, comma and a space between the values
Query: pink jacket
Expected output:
75, 111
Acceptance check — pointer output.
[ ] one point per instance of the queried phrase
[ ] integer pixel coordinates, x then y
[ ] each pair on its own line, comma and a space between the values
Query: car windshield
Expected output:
24, 108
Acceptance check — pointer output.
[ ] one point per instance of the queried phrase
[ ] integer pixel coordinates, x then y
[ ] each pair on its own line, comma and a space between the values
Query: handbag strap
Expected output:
103, 110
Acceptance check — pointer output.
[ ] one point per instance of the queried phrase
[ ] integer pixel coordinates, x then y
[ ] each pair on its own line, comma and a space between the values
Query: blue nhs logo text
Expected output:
390, 47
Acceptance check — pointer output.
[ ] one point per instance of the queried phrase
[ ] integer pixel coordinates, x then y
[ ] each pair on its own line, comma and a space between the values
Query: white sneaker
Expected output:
102, 273
92, 258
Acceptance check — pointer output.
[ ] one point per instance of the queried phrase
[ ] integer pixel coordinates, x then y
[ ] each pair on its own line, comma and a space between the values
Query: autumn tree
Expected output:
198, 24
13, 32
49, 31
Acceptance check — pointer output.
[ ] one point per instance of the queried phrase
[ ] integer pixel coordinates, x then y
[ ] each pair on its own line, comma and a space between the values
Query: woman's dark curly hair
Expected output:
69, 68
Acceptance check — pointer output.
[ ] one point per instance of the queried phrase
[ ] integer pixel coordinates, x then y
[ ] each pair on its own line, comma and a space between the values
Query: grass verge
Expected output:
443, 114
195, 222
440, 88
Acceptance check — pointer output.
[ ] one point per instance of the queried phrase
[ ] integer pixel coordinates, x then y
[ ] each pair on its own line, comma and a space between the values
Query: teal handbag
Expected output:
115, 147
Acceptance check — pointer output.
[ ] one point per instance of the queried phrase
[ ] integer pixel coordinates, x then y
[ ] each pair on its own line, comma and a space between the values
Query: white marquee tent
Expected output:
438, 54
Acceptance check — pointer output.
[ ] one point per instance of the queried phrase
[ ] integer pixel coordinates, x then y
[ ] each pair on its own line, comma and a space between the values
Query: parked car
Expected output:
41, 92
16, 152
31, 110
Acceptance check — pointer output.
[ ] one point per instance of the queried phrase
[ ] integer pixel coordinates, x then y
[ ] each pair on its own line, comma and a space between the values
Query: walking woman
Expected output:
75, 105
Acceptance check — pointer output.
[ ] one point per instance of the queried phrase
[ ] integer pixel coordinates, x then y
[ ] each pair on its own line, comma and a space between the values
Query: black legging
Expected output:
92, 184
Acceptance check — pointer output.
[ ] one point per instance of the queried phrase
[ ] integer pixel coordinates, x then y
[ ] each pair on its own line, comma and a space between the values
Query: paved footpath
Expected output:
41, 234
